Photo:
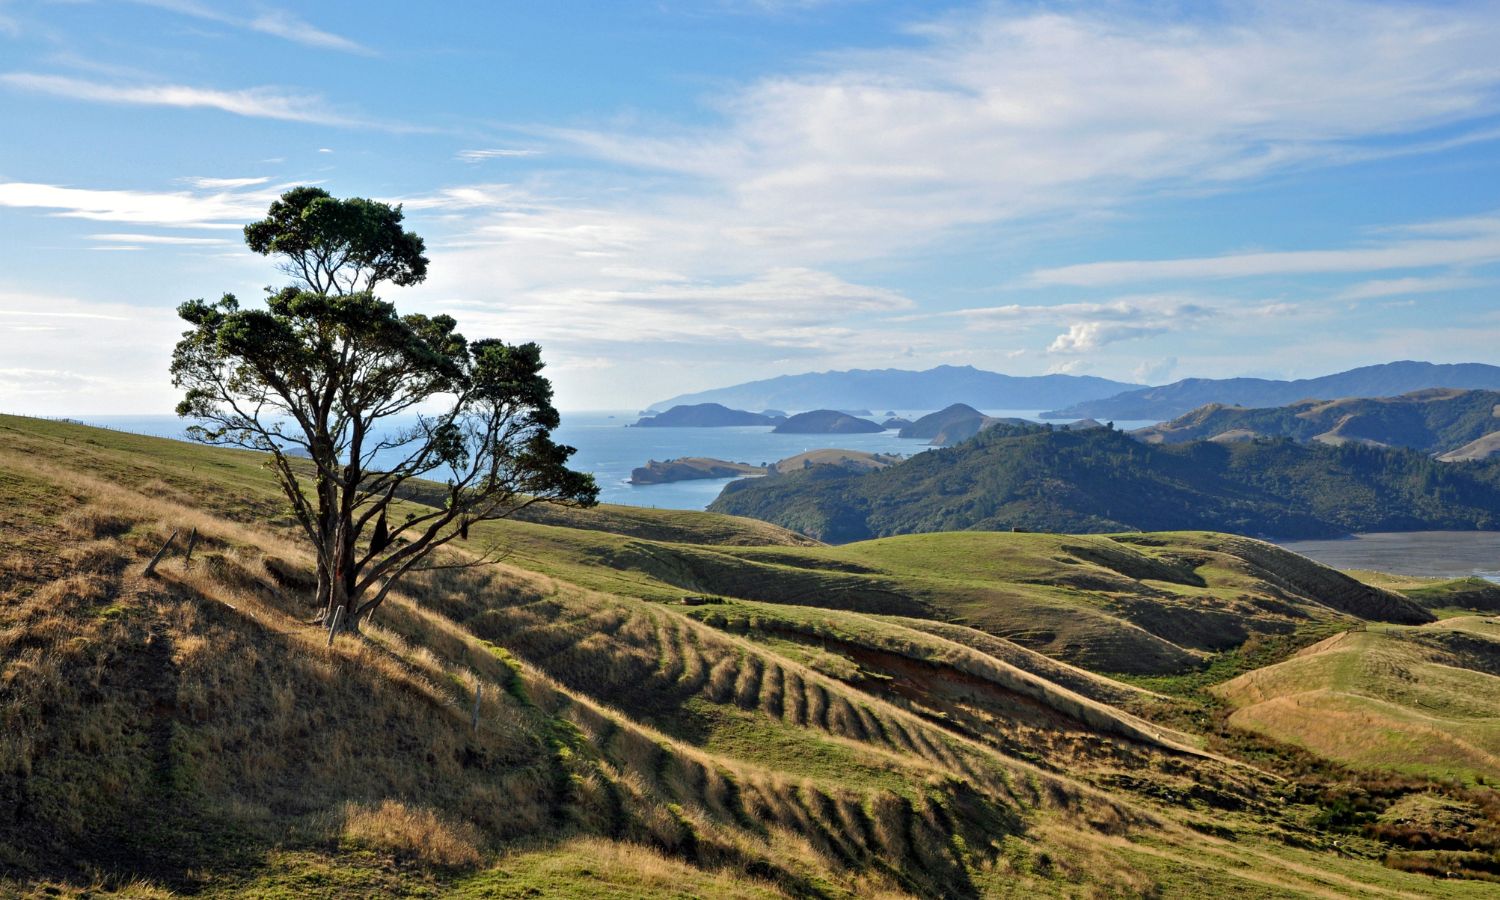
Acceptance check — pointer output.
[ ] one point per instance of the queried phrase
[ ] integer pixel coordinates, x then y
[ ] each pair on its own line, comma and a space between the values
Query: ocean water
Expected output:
610, 450
1429, 554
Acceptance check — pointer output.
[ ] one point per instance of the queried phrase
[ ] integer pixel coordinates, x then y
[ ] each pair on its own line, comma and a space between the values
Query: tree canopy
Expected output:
390, 434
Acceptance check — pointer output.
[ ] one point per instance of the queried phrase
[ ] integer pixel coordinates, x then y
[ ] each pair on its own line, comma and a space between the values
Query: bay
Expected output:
1428, 554
608, 449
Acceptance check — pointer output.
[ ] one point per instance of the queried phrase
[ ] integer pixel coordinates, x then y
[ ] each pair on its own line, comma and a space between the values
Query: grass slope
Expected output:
187, 733
1423, 700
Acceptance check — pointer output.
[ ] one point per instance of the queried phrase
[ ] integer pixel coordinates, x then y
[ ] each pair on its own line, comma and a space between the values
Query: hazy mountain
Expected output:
1181, 397
904, 389
1437, 421
1102, 480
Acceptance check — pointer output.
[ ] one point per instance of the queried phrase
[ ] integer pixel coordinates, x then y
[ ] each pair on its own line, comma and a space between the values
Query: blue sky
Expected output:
678, 195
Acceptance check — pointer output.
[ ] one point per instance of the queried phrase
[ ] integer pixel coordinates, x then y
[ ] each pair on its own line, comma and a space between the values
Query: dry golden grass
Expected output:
414, 832
193, 723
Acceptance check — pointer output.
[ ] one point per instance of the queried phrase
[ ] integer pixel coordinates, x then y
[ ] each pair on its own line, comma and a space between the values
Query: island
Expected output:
693, 468
827, 421
690, 468
704, 415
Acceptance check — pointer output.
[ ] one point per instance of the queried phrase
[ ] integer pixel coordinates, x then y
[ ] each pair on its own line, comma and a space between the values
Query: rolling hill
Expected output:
1181, 397
1418, 700
1447, 423
1101, 480
904, 389
807, 721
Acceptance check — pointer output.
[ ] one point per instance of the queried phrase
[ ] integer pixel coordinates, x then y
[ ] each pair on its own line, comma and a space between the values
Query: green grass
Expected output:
891, 737
1416, 700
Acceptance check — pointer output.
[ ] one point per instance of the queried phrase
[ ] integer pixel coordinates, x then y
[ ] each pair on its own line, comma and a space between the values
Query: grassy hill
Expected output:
188, 733
1436, 422
1421, 700
1101, 480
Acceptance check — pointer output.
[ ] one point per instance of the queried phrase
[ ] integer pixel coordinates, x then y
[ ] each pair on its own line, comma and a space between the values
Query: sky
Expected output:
676, 195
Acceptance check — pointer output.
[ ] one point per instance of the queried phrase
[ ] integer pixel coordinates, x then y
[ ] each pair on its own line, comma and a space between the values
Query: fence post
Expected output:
333, 627
192, 541
151, 566
478, 693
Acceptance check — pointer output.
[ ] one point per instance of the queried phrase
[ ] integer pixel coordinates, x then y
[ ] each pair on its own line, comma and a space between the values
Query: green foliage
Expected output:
1100, 480
320, 373
338, 246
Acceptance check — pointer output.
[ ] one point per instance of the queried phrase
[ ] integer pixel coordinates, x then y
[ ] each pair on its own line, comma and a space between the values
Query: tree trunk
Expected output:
324, 598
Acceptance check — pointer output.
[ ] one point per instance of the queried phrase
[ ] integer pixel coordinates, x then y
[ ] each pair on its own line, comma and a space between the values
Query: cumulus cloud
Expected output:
1082, 337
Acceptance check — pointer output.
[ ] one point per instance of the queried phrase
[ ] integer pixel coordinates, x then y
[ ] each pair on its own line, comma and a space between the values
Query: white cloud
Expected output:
1395, 287
1006, 115
1467, 242
1155, 371
1068, 367
262, 102
788, 308
478, 156
178, 209
283, 24
274, 22
225, 183
63, 353
118, 238
1082, 337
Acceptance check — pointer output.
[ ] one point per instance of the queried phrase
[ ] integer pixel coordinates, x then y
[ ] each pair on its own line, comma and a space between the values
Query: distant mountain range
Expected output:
1181, 397
1040, 478
904, 389
1452, 424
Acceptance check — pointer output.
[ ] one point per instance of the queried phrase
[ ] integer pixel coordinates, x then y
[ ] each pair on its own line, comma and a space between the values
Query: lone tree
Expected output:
360, 408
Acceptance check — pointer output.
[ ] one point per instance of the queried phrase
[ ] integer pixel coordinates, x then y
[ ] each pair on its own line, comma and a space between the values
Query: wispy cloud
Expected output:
787, 308
225, 183
117, 238
1400, 287
479, 156
1005, 115
176, 209
1472, 241
261, 102
274, 22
